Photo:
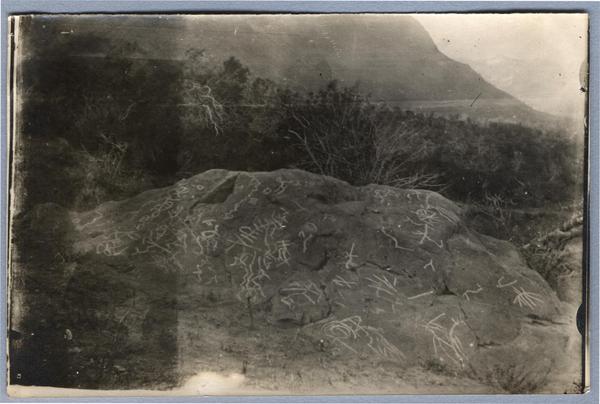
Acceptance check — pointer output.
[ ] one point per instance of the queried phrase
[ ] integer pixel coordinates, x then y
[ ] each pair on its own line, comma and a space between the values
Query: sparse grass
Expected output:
517, 378
437, 367
575, 388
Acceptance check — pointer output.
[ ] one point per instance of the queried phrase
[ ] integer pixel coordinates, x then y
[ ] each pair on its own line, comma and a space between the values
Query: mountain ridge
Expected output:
391, 58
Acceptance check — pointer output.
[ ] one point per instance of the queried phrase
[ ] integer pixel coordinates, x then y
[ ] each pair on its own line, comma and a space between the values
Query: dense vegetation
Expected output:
101, 121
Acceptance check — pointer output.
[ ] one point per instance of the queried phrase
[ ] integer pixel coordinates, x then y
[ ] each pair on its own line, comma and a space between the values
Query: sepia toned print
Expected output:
297, 204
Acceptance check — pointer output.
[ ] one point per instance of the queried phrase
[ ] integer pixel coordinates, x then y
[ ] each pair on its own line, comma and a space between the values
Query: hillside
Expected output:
395, 62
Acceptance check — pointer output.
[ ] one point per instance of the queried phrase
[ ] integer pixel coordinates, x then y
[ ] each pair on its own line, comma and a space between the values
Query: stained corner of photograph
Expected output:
297, 204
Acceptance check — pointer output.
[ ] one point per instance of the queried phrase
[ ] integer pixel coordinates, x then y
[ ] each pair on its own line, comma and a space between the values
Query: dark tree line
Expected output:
101, 120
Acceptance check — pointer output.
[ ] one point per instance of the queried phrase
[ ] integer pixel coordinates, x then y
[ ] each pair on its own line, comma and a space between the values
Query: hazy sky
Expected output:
536, 57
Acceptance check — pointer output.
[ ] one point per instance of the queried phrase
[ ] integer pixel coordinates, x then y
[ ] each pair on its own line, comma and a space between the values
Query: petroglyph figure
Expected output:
176, 212
250, 287
283, 184
168, 203
282, 252
350, 331
472, 292
168, 262
181, 190
430, 265
501, 285
97, 216
421, 295
350, 256
339, 281
300, 207
427, 217
383, 194
427, 213
198, 272
425, 236
329, 217
445, 341
382, 284
248, 235
395, 240
202, 270
307, 289
448, 215
206, 240
117, 243
308, 231
527, 299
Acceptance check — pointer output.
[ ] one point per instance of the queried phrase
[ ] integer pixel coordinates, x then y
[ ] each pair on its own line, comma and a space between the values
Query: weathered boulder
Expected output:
273, 269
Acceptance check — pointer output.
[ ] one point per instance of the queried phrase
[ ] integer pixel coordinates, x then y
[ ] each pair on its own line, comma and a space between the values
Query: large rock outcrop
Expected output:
270, 274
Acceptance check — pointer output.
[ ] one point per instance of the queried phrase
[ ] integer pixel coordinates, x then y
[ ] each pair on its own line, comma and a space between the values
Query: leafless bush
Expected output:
546, 254
344, 136
104, 174
202, 108
110, 160
497, 211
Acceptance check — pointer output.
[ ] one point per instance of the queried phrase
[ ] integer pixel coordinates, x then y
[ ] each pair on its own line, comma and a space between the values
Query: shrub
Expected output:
339, 132
178, 118
517, 379
105, 175
343, 135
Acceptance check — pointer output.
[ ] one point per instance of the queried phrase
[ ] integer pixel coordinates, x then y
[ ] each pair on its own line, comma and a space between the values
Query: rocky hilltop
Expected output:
304, 283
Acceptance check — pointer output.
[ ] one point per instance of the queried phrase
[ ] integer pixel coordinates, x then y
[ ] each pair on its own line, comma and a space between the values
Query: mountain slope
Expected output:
391, 57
